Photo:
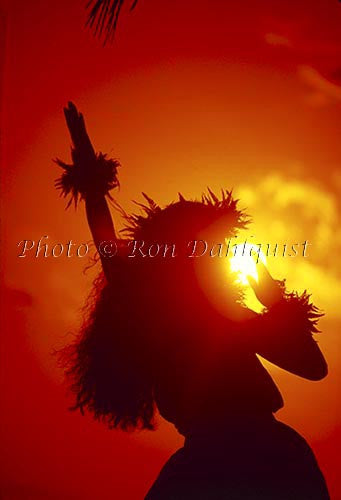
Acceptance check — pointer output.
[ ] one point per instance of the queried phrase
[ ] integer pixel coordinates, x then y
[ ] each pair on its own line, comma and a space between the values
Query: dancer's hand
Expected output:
268, 291
79, 136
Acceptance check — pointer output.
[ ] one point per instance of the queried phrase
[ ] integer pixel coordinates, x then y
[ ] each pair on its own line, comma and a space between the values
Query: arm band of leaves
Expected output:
79, 180
296, 311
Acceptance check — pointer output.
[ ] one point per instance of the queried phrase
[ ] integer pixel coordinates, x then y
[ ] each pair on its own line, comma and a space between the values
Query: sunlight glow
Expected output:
244, 262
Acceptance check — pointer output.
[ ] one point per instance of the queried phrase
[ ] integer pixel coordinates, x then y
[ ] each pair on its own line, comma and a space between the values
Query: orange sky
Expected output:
212, 92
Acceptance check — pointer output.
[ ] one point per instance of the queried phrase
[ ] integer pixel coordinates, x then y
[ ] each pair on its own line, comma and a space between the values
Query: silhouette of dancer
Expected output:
153, 340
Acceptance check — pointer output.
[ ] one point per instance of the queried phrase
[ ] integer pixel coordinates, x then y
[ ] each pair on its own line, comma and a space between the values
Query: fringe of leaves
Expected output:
78, 179
299, 310
214, 209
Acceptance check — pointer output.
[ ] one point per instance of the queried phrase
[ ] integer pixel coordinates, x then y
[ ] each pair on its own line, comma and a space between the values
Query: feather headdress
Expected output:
186, 218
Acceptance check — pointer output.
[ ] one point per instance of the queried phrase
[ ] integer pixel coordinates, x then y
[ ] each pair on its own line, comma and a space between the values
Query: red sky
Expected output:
212, 92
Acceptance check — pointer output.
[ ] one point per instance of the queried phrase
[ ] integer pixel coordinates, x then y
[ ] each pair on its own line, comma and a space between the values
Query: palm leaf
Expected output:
103, 16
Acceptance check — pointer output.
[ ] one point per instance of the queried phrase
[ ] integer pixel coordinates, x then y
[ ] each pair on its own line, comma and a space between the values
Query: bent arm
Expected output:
284, 336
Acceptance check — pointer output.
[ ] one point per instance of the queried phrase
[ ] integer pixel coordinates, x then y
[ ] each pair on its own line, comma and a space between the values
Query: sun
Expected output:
244, 262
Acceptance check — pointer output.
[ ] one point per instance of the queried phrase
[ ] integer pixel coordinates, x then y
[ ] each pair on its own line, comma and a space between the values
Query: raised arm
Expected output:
283, 334
90, 177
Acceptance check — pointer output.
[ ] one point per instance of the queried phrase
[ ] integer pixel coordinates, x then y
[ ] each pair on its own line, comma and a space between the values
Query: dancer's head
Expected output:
181, 249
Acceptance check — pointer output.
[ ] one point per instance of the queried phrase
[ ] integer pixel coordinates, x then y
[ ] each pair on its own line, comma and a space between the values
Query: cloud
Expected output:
324, 90
289, 210
313, 54
277, 40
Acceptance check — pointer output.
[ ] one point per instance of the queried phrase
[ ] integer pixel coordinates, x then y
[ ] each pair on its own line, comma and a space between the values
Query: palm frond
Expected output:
104, 15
